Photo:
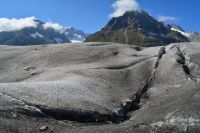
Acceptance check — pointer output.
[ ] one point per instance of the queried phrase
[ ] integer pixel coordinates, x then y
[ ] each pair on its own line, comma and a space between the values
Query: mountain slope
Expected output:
192, 36
137, 28
33, 36
40, 33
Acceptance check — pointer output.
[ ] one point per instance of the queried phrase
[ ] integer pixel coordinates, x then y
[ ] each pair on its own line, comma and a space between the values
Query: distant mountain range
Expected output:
75, 35
43, 33
139, 28
134, 28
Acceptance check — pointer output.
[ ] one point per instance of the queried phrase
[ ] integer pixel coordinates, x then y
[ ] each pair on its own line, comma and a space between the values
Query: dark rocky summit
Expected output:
100, 87
137, 28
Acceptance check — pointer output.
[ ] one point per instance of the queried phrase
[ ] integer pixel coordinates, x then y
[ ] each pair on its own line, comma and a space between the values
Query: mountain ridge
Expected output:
41, 33
137, 28
192, 36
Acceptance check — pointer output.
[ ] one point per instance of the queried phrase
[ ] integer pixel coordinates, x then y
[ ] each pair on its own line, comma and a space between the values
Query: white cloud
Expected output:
14, 24
17, 24
121, 6
54, 26
168, 19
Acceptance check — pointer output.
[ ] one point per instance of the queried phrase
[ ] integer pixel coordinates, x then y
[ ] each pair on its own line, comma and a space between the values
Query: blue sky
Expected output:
91, 15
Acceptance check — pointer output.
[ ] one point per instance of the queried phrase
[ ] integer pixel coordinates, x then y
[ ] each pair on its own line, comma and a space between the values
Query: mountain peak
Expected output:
137, 28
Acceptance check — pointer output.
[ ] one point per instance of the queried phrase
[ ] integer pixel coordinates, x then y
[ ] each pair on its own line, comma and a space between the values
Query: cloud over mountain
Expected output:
168, 18
31, 31
54, 26
121, 6
13, 24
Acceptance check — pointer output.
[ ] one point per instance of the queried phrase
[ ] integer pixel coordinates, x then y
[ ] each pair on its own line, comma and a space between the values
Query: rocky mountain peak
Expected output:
139, 20
137, 28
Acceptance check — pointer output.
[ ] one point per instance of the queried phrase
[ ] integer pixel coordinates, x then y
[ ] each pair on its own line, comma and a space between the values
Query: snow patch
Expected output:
68, 27
75, 41
153, 34
58, 40
36, 34
79, 36
66, 33
183, 33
